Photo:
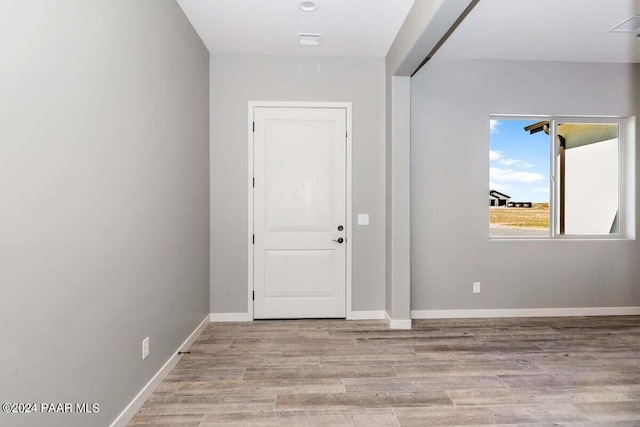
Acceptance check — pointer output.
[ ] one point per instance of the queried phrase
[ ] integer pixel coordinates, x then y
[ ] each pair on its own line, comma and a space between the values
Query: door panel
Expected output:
291, 274
299, 175
299, 202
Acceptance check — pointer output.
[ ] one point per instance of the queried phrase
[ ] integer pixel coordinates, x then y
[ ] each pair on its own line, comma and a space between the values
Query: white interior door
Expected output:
299, 212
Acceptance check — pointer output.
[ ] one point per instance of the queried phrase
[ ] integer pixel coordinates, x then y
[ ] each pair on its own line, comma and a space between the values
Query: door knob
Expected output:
340, 228
340, 240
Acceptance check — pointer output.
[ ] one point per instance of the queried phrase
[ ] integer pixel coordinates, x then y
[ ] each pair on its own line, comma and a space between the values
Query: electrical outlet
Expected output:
476, 287
145, 348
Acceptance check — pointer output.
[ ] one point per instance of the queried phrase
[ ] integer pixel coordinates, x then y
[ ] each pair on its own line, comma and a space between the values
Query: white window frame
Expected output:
626, 175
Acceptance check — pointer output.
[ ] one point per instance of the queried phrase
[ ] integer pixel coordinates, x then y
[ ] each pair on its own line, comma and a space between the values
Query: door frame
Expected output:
349, 222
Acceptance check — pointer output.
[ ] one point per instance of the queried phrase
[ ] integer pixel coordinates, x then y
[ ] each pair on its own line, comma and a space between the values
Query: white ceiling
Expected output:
348, 27
545, 30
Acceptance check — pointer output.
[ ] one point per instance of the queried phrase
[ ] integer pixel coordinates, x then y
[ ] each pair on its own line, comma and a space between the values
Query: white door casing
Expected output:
299, 198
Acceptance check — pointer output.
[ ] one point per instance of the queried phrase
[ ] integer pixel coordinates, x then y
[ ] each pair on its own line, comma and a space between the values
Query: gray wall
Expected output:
237, 79
104, 218
398, 198
451, 103
425, 25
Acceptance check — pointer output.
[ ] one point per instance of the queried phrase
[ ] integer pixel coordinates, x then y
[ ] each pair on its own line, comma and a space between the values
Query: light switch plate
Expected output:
363, 219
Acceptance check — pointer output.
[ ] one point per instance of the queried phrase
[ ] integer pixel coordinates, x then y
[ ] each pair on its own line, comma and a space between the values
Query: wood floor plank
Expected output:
245, 361
588, 344
498, 332
185, 405
633, 390
511, 396
525, 372
555, 322
310, 372
612, 411
199, 347
533, 337
571, 379
388, 333
438, 357
422, 384
560, 424
391, 359
241, 346
479, 347
209, 374
624, 354
360, 418
182, 420
233, 353
600, 365
504, 368
265, 387
523, 357
348, 351
258, 334
339, 401
166, 388
413, 341
487, 415
286, 341
599, 329
589, 424
211, 340
428, 358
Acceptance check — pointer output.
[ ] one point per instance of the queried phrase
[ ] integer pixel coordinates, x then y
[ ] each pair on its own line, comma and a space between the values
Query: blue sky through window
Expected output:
518, 161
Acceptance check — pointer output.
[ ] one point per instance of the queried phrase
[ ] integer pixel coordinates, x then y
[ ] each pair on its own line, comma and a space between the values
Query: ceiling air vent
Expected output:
309, 39
630, 25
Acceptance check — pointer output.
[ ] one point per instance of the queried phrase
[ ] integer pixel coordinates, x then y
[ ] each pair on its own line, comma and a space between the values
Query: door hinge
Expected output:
254, 239
253, 296
254, 126
254, 182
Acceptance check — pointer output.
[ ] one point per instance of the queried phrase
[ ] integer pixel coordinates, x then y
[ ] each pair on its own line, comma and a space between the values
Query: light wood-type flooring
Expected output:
579, 371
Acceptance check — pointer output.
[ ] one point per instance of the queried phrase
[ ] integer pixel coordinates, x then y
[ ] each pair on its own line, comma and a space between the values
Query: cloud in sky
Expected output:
498, 187
514, 162
497, 155
544, 190
494, 155
500, 175
493, 126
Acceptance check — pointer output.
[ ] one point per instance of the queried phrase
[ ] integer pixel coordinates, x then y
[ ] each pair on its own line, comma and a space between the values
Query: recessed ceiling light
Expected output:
309, 39
308, 6
629, 25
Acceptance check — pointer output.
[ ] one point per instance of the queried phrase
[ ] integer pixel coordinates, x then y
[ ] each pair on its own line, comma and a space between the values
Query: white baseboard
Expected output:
525, 312
367, 315
231, 317
132, 408
246, 317
397, 323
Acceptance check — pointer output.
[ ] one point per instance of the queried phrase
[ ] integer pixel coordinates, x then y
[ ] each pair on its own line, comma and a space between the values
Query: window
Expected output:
556, 177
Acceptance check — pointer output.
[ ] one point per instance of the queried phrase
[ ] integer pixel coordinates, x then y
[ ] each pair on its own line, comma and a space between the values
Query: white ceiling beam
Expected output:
428, 22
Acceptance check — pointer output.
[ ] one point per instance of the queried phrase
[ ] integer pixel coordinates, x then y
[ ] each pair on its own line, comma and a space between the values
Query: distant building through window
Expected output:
554, 177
